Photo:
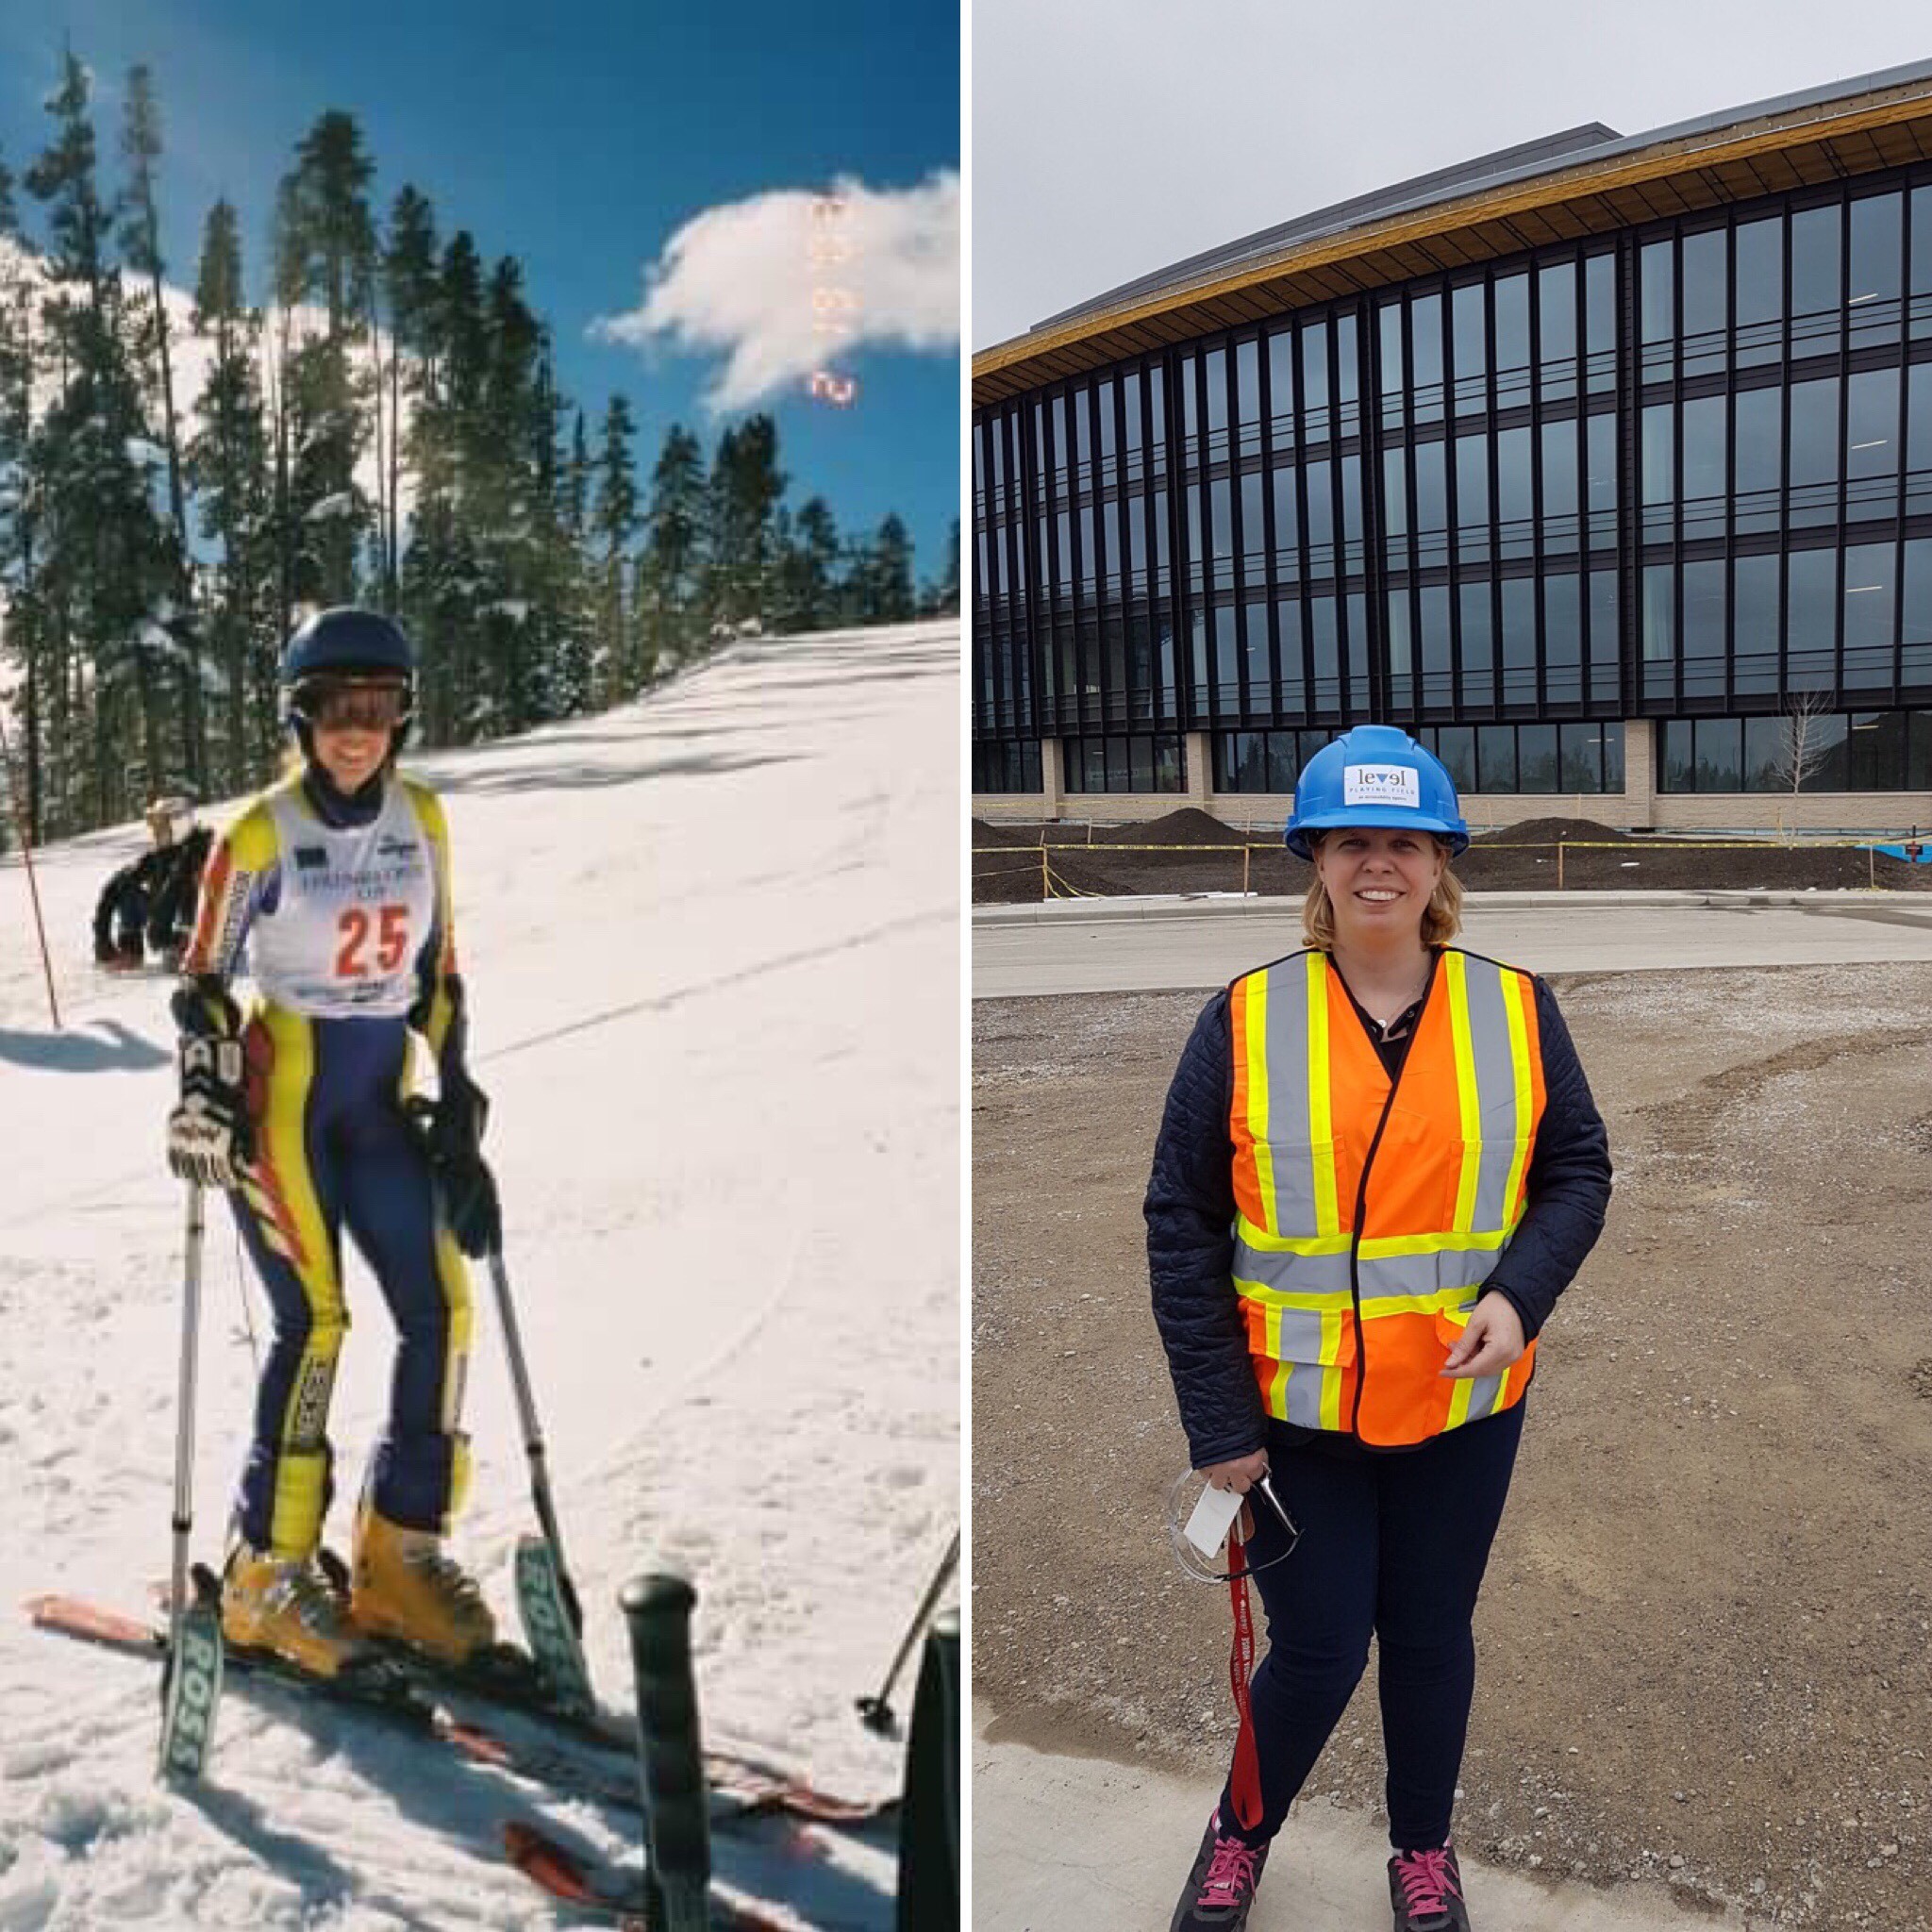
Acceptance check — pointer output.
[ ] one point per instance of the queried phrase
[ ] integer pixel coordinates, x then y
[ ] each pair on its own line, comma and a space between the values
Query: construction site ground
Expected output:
1193, 852
1706, 1639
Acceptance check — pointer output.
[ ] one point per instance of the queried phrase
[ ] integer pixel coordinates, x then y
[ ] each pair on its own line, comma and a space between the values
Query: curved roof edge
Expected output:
1528, 157
1581, 161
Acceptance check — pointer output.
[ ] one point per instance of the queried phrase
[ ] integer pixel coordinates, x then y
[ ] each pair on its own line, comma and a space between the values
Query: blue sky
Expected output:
581, 137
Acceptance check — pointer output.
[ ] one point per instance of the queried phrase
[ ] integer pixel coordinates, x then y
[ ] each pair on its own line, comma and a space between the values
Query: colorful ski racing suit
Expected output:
351, 946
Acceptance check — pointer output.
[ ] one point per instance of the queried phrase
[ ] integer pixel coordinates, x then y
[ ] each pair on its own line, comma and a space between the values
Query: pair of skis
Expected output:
593, 1757
547, 1601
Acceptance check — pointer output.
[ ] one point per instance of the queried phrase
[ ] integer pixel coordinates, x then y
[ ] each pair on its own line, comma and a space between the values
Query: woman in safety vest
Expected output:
337, 878
1379, 1166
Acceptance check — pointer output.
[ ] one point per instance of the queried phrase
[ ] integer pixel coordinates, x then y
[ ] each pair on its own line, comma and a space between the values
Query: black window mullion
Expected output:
1184, 707
1304, 601
1362, 704
1264, 389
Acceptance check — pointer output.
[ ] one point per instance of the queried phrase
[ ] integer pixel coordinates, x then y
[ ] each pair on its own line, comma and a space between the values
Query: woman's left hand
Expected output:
1490, 1341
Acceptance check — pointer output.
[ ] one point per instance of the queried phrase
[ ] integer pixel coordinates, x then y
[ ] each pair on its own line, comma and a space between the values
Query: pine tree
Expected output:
227, 465
17, 302
746, 488
671, 620
409, 284
140, 242
613, 525
880, 588
326, 254
808, 593
105, 561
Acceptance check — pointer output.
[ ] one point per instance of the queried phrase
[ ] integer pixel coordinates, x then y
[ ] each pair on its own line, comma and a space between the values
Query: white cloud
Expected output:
751, 281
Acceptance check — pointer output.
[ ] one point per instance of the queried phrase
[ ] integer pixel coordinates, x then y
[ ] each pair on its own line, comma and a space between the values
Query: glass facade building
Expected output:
1643, 491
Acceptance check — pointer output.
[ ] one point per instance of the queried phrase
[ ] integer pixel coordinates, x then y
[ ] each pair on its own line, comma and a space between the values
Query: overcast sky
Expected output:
1112, 137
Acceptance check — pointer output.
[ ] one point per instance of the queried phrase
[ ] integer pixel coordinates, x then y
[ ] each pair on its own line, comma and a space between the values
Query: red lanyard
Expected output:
1245, 1782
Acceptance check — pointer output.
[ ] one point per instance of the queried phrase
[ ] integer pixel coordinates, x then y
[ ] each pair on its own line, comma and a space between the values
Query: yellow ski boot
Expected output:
286, 1605
403, 1587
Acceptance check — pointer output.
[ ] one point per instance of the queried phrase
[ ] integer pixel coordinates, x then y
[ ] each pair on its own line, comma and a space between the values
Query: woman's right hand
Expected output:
1239, 1476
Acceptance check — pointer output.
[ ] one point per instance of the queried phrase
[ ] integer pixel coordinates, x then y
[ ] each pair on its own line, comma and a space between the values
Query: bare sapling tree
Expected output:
1800, 746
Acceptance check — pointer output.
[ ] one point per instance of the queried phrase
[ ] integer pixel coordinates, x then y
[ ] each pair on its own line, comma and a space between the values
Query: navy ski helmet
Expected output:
1375, 776
340, 644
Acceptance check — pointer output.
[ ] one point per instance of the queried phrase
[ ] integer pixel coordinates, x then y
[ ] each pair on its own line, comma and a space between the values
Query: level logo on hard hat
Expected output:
1374, 774
1397, 785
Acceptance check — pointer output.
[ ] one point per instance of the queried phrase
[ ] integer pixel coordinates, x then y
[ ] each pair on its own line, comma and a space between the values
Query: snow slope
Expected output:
712, 942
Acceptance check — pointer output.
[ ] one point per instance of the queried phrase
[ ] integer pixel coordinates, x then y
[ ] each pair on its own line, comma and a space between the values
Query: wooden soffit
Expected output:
1863, 135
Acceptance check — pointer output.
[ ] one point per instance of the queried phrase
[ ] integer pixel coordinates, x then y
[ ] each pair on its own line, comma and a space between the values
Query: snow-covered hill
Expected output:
712, 943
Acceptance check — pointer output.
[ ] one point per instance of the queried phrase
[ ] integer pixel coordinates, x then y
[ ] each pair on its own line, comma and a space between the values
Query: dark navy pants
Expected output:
1393, 1544
333, 1150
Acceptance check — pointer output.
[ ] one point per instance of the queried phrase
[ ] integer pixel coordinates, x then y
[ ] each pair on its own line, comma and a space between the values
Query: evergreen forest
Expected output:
384, 427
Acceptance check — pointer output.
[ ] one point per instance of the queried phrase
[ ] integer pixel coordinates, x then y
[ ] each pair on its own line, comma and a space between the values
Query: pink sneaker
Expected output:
1221, 1888
1425, 1889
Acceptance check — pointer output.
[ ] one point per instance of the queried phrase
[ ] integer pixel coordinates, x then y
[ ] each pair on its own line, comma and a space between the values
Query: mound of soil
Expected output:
1189, 827
1106, 860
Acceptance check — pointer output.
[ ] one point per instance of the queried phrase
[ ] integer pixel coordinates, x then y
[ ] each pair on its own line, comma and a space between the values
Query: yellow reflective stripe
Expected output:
1460, 1393
1256, 1035
1277, 1390
1446, 1301
1331, 1378
1262, 1241
1469, 1103
1519, 1056
1377, 1246
1320, 1119
1315, 1301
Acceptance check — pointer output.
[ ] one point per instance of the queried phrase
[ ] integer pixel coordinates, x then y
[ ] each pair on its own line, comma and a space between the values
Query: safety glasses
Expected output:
1206, 1569
352, 704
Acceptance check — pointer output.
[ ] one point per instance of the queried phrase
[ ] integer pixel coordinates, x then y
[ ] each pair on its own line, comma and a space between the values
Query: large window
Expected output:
1832, 751
1007, 767
1134, 763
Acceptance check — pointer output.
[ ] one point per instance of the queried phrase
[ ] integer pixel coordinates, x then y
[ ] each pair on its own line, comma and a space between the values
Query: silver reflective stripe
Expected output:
1294, 1274
1482, 1395
1495, 1080
1455, 1266
1285, 1045
1303, 1396
1300, 1335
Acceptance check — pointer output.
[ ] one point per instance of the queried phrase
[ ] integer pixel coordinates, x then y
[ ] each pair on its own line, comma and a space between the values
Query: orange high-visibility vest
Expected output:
1370, 1215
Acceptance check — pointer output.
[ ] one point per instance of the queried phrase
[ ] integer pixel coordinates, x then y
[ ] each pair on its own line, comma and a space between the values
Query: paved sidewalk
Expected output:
1079, 1844
1143, 945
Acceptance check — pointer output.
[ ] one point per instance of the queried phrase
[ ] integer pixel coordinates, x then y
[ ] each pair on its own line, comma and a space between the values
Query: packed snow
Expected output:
712, 942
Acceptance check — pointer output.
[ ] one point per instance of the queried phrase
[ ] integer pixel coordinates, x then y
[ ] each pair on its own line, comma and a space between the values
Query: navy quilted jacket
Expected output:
1191, 1212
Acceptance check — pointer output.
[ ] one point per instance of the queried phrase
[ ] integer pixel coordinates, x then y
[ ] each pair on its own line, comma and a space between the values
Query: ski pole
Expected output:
184, 1416
877, 1713
533, 1436
191, 1684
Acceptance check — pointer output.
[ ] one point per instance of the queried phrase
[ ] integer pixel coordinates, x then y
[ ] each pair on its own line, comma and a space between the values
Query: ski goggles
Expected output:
337, 703
1219, 1566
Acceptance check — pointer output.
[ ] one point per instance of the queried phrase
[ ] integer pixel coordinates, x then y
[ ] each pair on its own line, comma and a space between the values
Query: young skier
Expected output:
337, 878
150, 895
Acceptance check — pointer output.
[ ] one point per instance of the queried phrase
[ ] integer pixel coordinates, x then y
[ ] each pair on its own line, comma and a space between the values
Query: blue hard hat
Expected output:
1375, 776
346, 640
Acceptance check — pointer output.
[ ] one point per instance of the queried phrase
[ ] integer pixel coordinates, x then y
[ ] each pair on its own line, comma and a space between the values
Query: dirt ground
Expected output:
1706, 1639
1006, 862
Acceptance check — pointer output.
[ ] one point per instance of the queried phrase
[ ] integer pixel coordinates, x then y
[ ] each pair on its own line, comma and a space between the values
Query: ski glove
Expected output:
463, 1181
467, 1190
211, 1138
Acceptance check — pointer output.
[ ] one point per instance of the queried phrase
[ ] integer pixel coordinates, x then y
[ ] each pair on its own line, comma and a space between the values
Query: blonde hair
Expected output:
1441, 916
